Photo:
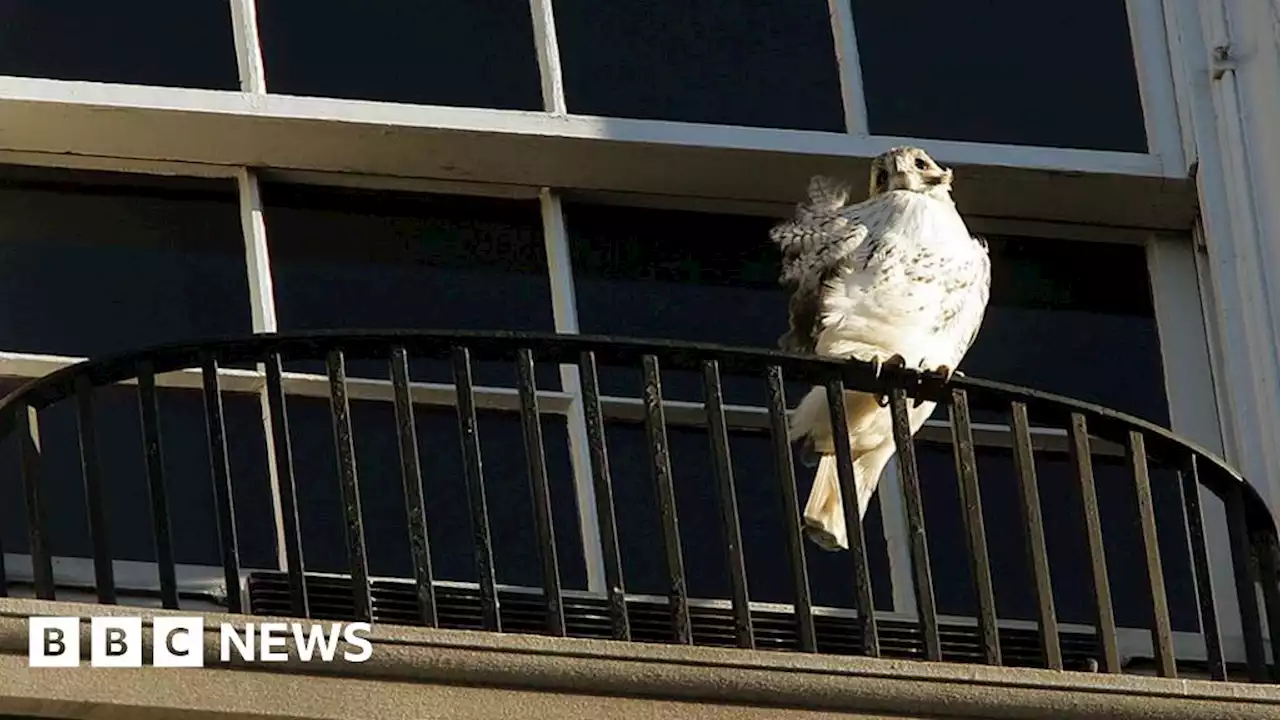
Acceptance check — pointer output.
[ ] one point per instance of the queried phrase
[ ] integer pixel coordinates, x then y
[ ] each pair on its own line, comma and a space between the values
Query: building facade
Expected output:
175, 172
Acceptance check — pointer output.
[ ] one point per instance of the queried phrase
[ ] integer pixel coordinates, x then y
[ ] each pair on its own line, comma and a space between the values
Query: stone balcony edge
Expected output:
582, 678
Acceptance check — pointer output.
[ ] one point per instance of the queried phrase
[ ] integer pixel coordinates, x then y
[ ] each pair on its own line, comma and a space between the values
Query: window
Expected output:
694, 276
732, 62
144, 42
116, 263
1073, 318
471, 53
963, 71
366, 260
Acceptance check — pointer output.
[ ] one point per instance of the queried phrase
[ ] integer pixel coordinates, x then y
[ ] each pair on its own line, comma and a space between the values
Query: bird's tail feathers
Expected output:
824, 512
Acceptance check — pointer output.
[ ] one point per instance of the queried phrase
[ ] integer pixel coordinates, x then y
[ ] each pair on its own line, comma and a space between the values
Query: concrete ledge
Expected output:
417, 672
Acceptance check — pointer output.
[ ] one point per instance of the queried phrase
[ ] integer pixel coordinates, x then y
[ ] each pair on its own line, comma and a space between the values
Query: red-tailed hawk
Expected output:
896, 278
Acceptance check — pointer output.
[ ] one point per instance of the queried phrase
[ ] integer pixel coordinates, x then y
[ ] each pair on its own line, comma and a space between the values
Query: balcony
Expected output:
450, 624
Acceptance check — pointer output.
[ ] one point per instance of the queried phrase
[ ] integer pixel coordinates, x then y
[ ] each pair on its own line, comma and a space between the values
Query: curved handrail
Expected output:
856, 374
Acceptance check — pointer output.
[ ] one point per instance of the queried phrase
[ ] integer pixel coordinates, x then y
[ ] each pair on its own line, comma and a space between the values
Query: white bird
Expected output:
895, 279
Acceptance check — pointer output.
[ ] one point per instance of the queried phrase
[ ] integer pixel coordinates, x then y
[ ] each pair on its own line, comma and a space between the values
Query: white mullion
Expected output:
257, 254
565, 311
1152, 63
21, 366
30, 366
1184, 345
429, 394
1183, 320
263, 311
1182, 86
244, 23
548, 48
689, 413
846, 46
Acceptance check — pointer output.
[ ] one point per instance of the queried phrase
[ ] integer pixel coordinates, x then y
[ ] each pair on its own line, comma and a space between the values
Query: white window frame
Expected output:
250, 135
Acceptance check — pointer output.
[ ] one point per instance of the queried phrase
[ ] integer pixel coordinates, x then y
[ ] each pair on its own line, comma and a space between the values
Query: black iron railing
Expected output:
616, 614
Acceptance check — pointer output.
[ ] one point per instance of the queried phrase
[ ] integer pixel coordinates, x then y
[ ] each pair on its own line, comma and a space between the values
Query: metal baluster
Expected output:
790, 509
283, 452
153, 452
1192, 508
863, 597
974, 525
660, 459
603, 483
1082, 461
411, 478
728, 500
91, 472
344, 441
28, 430
1033, 523
535, 453
1161, 630
1246, 591
922, 574
220, 467
469, 433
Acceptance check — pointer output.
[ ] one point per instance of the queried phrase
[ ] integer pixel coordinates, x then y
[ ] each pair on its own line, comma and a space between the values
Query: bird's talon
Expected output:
945, 373
878, 366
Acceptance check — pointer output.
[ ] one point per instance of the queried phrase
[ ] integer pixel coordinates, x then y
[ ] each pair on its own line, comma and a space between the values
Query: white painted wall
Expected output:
1230, 63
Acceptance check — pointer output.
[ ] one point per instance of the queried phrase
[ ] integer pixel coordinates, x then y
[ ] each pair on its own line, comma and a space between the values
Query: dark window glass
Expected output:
95, 263
470, 53
1001, 71
699, 277
142, 42
1064, 539
507, 491
347, 259
1076, 319
760, 515
732, 62
126, 499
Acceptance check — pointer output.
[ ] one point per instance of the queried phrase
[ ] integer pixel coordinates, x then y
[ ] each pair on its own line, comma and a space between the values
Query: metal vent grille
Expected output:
521, 611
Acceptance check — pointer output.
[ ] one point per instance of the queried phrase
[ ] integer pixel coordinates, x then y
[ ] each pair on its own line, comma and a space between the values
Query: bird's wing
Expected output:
968, 293
825, 234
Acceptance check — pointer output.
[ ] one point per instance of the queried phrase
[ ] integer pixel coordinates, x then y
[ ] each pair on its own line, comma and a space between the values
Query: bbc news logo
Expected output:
178, 641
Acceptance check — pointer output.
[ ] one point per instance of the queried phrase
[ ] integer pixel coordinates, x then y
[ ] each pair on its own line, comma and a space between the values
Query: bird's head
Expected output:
909, 168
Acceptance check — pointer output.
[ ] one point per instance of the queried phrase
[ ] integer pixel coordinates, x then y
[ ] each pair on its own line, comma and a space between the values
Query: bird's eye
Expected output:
921, 164
882, 177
